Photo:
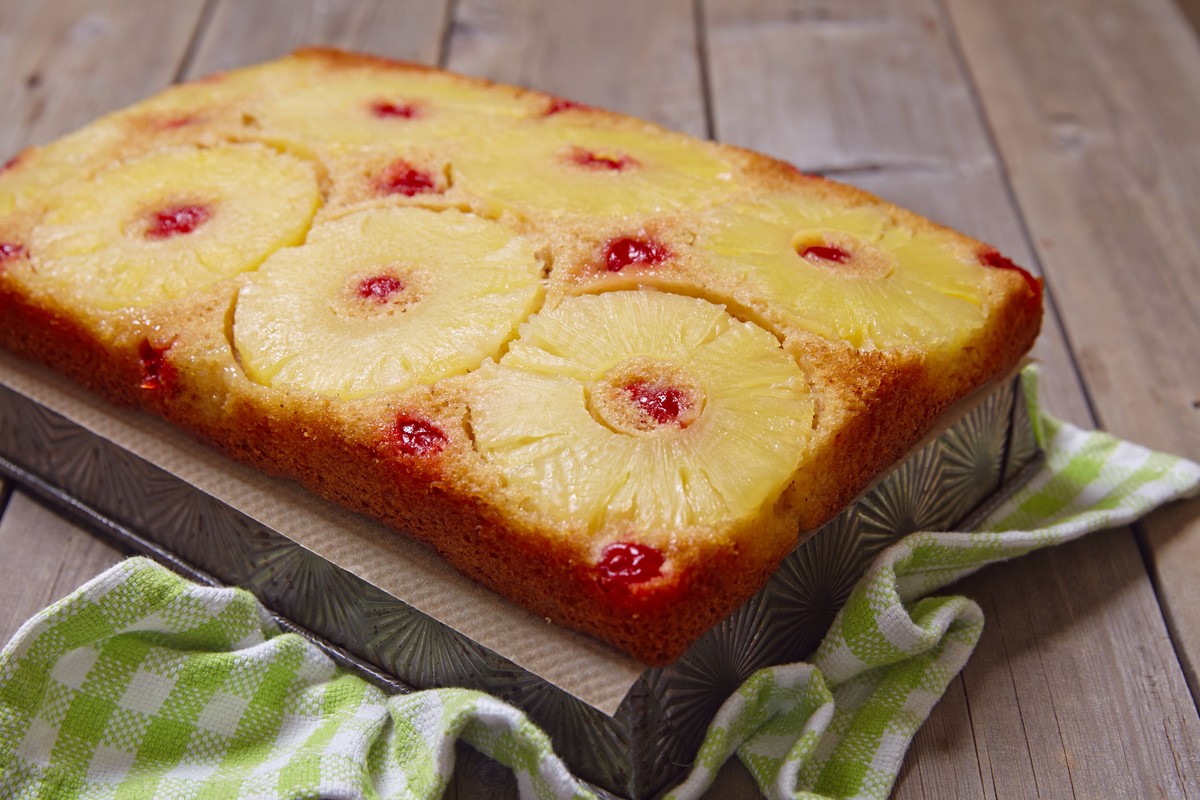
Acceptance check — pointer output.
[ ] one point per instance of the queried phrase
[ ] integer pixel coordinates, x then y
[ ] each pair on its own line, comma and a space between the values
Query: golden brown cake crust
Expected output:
434, 479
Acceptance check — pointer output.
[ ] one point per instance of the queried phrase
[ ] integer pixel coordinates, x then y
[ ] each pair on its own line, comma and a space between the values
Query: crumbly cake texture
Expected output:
610, 371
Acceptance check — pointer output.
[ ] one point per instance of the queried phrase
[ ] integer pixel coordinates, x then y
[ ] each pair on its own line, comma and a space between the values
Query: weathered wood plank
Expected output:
1173, 538
943, 744
811, 108
1103, 145
630, 56
1093, 106
1191, 10
69, 62
876, 94
1085, 743
241, 32
45, 558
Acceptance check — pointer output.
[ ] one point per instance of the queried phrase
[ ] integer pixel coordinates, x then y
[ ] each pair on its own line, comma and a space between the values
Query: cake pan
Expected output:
630, 738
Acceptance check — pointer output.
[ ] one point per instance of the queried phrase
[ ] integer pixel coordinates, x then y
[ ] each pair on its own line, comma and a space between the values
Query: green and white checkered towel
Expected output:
142, 684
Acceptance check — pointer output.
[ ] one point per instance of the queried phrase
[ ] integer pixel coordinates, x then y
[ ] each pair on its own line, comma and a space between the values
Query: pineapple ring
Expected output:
383, 299
607, 169
843, 254
167, 224
848, 274
646, 397
369, 107
33, 173
734, 455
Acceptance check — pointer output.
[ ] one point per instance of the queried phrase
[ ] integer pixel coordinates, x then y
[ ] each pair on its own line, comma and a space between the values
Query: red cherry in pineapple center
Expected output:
417, 437
387, 109
405, 179
625, 563
598, 162
818, 252
379, 288
620, 253
847, 256
645, 396
177, 220
10, 250
664, 404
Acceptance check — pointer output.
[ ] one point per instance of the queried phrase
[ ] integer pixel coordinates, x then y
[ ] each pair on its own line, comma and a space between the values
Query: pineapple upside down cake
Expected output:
608, 370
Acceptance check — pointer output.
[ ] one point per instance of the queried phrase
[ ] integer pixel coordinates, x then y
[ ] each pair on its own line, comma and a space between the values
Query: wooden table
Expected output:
1065, 132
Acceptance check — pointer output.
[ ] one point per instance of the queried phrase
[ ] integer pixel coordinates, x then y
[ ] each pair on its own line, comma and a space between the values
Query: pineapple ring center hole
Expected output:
599, 160
843, 254
179, 218
642, 396
381, 292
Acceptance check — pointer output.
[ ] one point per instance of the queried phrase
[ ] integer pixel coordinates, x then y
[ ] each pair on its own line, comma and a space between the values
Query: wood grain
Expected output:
240, 32
1102, 141
630, 56
943, 745
68, 62
45, 558
1094, 110
1080, 694
1191, 10
1172, 535
877, 94
834, 85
